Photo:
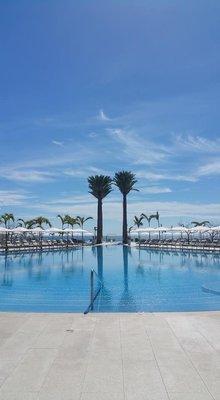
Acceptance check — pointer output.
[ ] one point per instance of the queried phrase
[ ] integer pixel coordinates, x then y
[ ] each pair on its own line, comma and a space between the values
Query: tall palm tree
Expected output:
99, 186
125, 181
81, 221
6, 218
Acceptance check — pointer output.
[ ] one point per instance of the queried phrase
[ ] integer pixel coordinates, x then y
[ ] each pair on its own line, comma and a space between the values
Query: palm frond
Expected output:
100, 186
125, 181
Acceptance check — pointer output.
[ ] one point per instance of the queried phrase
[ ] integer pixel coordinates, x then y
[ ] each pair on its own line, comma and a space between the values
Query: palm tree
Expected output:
130, 228
81, 221
73, 221
70, 221
157, 217
138, 223
6, 218
26, 224
202, 223
99, 186
152, 216
125, 181
67, 220
62, 219
40, 221
147, 218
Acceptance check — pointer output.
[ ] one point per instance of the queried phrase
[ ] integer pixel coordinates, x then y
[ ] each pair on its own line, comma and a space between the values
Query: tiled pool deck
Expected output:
173, 356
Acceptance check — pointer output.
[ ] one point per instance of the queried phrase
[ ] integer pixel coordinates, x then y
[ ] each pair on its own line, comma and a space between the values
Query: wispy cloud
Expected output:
138, 149
13, 198
57, 143
153, 176
93, 134
155, 190
166, 209
196, 143
26, 175
83, 172
102, 116
211, 168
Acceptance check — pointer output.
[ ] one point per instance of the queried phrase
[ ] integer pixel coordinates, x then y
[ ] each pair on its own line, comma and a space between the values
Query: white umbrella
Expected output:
199, 229
36, 230
4, 230
179, 229
80, 231
53, 230
162, 229
84, 234
77, 231
215, 228
67, 230
142, 230
19, 229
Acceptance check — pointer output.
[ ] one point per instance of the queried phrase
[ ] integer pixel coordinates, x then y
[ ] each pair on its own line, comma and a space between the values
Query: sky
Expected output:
94, 87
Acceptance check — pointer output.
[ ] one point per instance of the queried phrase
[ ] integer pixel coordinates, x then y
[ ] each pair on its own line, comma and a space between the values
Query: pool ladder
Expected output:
93, 295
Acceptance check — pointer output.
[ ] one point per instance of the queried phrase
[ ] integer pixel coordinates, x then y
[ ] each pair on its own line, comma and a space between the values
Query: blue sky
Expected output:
91, 87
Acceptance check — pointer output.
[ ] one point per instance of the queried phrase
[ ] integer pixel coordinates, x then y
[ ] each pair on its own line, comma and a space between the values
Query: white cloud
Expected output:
138, 149
155, 190
26, 175
83, 172
57, 143
153, 176
93, 135
73, 199
208, 169
102, 116
212, 168
110, 208
13, 198
196, 143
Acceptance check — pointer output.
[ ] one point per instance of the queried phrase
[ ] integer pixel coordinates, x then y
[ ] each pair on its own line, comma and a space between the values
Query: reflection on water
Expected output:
127, 297
7, 278
133, 280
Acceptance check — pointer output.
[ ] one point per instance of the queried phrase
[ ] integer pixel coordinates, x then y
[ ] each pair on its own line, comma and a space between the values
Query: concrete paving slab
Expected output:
163, 356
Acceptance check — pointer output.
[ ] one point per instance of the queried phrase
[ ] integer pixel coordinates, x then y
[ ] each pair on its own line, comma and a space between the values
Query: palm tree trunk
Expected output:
6, 241
125, 224
99, 222
82, 233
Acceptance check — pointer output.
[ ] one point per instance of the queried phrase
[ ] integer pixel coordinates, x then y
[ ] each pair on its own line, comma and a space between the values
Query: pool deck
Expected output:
156, 356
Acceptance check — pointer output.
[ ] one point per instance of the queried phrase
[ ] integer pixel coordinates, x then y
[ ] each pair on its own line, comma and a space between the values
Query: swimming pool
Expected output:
133, 280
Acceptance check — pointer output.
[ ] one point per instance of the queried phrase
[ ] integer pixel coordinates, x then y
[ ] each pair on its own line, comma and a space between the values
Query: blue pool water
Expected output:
133, 280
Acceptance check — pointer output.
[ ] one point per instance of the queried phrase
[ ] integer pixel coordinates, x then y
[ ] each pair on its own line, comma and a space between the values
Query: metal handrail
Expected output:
92, 296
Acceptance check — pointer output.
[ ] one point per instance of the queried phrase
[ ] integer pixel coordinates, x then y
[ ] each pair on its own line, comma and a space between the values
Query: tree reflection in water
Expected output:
127, 297
7, 277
